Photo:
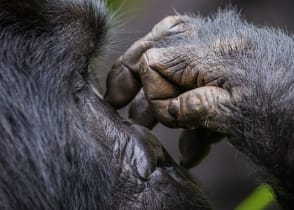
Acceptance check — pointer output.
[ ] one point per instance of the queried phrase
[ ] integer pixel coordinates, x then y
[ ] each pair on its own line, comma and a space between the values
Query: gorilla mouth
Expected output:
146, 154
151, 173
144, 171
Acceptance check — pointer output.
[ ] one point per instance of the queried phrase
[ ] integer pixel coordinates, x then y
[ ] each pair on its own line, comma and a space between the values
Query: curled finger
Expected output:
141, 113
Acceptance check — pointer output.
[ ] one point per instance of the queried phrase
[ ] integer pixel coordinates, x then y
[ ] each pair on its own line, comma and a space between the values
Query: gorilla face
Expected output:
61, 146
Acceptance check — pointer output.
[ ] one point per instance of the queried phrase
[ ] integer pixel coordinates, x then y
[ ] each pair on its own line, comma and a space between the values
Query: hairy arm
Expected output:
221, 74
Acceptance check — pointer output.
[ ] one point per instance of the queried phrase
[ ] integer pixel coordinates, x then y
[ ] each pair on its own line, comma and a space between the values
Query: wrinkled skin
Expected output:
61, 146
180, 91
220, 77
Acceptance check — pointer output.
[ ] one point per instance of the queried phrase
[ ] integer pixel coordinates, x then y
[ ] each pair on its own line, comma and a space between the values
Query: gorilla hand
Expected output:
185, 81
163, 62
228, 76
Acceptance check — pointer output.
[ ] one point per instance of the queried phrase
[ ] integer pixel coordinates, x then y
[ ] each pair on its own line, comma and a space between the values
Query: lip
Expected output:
143, 169
149, 156
145, 162
153, 174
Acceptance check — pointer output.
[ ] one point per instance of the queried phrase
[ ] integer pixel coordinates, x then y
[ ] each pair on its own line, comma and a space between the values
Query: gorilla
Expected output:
63, 147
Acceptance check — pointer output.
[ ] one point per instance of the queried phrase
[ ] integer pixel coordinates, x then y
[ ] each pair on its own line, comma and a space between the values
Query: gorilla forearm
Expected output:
226, 75
261, 123
260, 61
263, 130
262, 126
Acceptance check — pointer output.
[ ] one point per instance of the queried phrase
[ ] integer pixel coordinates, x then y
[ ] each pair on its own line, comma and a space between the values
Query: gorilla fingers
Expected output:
224, 75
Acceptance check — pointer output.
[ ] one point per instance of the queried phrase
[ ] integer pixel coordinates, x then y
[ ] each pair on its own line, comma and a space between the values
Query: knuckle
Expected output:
170, 18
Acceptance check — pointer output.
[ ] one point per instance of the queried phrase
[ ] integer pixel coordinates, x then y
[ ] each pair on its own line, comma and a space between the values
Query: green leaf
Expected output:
260, 199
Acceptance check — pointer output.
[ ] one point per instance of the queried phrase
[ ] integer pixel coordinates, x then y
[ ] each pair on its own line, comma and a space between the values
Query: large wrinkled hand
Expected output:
185, 85
217, 74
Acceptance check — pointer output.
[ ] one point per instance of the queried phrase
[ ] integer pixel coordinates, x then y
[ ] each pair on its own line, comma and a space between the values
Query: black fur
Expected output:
61, 147
262, 124
58, 141
47, 160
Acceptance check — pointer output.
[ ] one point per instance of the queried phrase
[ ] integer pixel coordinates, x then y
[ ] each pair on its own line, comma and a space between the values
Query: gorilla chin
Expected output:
144, 176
